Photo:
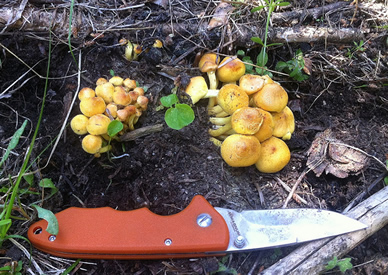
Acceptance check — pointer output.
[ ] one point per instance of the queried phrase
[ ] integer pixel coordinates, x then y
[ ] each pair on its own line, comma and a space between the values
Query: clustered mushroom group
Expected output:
114, 99
249, 113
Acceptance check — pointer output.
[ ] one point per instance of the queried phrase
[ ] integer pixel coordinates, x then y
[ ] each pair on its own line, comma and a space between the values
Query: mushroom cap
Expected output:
92, 106
92, 144
139, 90
231, 71
112, 108
98, 124
231, 97
284, 124
274, 156
266, 129
208, 62
272, 98
85, 93
142, 102
101, 81
197, 88
78, 124
251, 83
121, 97
116, 80
246, 120
129, 83
125, 113
105, 91
240, 150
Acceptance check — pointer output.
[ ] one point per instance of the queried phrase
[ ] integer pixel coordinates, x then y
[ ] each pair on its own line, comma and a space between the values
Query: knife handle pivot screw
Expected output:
204, 220
167, 242
239, 242
52, 238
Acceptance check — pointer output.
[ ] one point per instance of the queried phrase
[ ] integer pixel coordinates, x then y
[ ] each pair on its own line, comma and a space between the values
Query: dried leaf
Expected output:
308, 64
331, 156
220, 16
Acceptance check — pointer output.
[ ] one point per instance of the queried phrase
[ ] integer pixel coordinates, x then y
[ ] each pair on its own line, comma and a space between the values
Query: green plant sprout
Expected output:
222, 268
13, 269
177, 115
293, 67
343, 264
262, 58
358, 47
386, 178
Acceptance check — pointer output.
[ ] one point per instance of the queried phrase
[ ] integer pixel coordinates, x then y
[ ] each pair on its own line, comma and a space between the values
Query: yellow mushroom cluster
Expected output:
249, 114
113, 99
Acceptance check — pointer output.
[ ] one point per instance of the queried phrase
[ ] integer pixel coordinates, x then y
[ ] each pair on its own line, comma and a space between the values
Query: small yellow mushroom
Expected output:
105, 91
266, 128
93, 145
116, 81
272, 98
85, 93
98, 124
240, 150
274, 156
92, 106
231, 97
284, 124
230, 70
78, 124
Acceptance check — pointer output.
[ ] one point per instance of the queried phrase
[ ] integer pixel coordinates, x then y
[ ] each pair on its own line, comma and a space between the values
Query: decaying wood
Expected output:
141, 132
314, 256
41, 20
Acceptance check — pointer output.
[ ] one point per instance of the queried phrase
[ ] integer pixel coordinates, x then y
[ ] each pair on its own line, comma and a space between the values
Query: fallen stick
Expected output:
40, 20
312, 257
141, 132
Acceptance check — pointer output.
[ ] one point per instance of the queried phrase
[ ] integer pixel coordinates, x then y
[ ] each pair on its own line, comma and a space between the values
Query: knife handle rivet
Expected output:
167, 242
52, 238
204, 220
239, 242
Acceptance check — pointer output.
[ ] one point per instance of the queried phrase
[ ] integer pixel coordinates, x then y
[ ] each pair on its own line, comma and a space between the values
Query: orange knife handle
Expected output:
138, 234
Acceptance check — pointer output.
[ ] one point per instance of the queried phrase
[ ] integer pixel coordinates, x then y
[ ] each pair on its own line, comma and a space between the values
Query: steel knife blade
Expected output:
197, 231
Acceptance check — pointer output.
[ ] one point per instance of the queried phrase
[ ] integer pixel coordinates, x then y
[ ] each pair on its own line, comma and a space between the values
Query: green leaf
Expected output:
112, 72
262, 58
280, 66
179, 117
274, 44
248, 68
345, 264
52, 227
168, 101
14, 142
282, 4
48, 183
257, 8
257, 40
241, 53
29, 179
115, 127
332, 264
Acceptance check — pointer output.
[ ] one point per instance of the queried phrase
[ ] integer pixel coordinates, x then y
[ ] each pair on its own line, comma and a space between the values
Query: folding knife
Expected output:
197, 231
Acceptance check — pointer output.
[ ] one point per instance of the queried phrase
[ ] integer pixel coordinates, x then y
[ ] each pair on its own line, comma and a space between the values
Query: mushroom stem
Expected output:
219, 131
220, 120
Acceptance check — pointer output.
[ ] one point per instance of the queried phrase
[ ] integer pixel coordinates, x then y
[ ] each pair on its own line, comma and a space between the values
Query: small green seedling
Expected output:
112, 72
262, 58
114, 128
343, 264
177, 115
358, 47
293, 67
14, 269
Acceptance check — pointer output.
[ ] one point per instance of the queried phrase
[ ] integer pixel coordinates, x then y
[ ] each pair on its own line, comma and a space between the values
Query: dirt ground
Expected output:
165, 170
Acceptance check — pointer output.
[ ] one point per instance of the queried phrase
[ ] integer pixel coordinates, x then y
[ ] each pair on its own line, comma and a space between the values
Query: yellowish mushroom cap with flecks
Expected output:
92, 144
105, 91
85, 93
274, 156
230, 70
246, 120
121, 97
116, 80
272, 98
266, 128
92, 106
240, 150
78, 124
251, 83
98, 124
231, 97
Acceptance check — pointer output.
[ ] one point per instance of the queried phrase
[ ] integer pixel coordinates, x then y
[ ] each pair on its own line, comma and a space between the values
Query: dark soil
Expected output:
165, 170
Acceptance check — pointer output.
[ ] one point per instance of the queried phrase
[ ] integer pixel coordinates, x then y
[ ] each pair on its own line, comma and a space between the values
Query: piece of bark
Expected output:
312, 257
39, 20
141, 132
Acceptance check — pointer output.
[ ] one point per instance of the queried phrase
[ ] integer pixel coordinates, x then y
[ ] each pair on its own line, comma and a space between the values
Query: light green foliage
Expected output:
343, 264
112, 72
14, 269
293, 67
52, 226
386, 178
177, 115
115, 127
262, 58
358, 47
14, 142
